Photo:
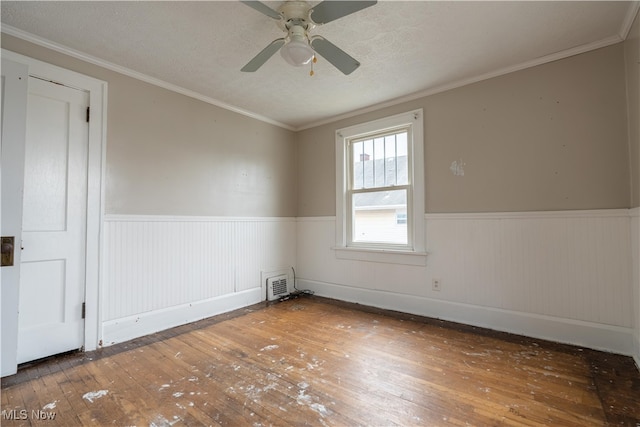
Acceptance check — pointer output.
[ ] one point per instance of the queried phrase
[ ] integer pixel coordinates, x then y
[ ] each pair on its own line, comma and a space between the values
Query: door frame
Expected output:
13, 136
95, 181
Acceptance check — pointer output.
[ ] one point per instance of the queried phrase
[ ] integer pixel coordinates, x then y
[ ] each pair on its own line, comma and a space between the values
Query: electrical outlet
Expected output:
436, 284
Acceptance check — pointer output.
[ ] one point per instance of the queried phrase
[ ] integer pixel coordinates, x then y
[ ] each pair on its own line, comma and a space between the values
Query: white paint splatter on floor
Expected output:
270, 347
320, 409
305, 399
476, 354
93, 395
160, 421
271, 386
50, 406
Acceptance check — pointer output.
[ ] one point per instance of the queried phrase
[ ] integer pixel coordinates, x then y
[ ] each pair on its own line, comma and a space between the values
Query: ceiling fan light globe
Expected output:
297, 53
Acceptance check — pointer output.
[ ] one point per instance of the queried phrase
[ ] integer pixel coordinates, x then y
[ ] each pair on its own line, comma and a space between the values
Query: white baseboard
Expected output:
596, 336
127, 328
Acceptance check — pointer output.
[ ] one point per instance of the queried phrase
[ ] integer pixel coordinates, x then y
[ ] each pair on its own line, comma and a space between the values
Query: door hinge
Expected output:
84, 309
88, 114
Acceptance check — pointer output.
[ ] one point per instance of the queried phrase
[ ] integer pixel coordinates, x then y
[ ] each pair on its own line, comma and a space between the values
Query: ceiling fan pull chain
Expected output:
313, 61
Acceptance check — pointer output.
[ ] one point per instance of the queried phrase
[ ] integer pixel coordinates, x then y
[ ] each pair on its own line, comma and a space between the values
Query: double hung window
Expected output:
380, 187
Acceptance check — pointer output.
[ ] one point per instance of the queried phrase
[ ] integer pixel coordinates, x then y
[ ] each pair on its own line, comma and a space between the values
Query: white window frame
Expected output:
414, 253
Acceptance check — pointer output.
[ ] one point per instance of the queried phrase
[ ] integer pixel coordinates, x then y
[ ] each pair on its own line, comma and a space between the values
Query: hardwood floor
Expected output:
314, 361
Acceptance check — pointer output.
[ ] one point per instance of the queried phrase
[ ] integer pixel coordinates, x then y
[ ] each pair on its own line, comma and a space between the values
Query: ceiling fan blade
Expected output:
336, 56
263, 56
330, 10
263, 8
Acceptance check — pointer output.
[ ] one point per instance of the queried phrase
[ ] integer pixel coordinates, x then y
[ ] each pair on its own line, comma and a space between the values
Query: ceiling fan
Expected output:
297, 18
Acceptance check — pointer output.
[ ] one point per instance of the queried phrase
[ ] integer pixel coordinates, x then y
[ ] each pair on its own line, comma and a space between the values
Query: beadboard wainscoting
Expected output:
635, 256
564, 276
165, 271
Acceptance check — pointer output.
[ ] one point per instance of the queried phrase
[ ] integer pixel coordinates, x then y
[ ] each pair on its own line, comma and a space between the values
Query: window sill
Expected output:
388, 256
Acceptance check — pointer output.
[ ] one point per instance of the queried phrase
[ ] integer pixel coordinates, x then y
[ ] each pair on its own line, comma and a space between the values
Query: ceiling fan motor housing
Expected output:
296, 22
295, 13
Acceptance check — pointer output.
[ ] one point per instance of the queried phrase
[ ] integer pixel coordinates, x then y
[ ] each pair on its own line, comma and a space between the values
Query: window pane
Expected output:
400, 164
402, 170
368, 164
391, 162
380, 161
358, 157
375, 217
365, 167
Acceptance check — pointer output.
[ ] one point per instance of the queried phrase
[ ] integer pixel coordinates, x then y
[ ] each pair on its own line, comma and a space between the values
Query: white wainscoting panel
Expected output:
551, 275
186, 268
635, 256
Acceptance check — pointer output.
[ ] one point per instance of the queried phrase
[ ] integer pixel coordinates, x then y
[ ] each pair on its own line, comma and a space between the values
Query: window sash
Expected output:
352, 239
414, 253
352, 156
351, 191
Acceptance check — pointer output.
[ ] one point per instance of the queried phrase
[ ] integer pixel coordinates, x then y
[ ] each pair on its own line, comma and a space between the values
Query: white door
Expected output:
14, 109
54, 221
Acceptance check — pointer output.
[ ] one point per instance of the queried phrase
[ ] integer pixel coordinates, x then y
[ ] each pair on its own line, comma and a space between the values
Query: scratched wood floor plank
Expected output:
269, 369
241, 381
311, 365
441, 384
306, 370
188, 380
264, 359
314, 361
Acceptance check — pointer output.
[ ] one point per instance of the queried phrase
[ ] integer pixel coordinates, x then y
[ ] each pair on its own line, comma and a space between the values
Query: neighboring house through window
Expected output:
380, 190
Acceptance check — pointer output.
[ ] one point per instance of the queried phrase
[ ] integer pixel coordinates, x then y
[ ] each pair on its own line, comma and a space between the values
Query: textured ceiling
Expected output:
405, 47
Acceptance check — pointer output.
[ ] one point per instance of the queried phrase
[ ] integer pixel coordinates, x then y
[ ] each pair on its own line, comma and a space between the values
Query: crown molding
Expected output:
634, 7
40, 41
628, 20
464, 82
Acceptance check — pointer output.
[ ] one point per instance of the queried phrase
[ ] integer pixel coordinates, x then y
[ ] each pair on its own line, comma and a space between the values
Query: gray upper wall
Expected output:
169, 154
551, 137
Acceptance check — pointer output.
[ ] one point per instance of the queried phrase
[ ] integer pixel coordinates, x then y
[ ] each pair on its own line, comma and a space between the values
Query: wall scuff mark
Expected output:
457, 167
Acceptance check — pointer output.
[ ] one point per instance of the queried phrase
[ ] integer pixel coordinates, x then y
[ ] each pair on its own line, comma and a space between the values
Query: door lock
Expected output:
8, 246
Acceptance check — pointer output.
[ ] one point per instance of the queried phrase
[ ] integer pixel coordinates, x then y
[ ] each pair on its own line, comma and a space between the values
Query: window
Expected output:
380, 190
377, 187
